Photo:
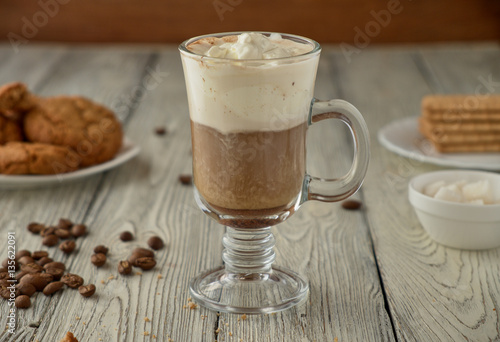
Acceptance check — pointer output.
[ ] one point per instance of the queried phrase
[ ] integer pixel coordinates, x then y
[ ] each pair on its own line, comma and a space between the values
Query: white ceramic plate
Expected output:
402, 137
127, 152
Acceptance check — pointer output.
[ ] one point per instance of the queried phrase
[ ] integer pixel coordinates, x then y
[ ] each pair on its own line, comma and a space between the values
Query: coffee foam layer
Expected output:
249, 45
239, 96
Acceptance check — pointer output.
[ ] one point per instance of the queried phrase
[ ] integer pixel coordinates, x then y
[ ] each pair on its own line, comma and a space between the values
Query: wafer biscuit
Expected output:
461, 123
459, 127
458, 103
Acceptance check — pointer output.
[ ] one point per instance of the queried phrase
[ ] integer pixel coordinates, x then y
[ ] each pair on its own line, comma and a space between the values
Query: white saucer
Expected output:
402, 137
127, 152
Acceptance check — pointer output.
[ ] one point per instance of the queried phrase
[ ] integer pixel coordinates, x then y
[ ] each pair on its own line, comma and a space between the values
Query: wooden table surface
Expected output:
374, 274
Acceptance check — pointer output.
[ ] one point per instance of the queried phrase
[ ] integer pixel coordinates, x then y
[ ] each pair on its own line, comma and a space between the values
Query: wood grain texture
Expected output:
174, 21
374, 274
435, 293
331, 247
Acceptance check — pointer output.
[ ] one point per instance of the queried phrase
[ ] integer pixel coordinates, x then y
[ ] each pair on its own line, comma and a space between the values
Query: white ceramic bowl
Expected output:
458, 225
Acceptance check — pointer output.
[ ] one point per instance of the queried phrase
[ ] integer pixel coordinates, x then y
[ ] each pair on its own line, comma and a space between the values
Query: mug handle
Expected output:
333, 190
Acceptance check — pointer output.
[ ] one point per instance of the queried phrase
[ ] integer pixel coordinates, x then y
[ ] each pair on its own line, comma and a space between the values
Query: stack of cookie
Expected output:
461, 123
54, 134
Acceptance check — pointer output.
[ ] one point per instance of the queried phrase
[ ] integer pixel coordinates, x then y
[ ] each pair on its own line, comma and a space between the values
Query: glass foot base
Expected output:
260, 293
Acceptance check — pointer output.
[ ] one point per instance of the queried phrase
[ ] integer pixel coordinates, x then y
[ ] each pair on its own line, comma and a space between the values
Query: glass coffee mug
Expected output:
249, 119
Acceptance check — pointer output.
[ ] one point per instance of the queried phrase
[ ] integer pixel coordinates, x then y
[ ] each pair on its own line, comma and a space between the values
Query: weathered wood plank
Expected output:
435, 293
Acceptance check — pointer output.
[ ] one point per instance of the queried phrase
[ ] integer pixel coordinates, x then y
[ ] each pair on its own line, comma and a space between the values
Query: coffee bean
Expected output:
3, 269
35, 227
50, 240
98, 259
160, 130
79, 230
143, 252
140, 253
64, 223
38, 280
126, 236
21, 274
72, 280
55, 264
43, 261
124, 267
68, 246
62, 233
47, 231
351, 205
186, 179
23, 302
52, 288
87, 290
4, 275
56, 273
26, 289
32, 268
155, 242
22, 253
26, 260
101, 249
145, 263
39, 254
6, 293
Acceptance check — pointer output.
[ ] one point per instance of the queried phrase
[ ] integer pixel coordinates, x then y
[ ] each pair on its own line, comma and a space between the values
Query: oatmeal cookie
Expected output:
18, 158
90, 129
10, 130
15, 99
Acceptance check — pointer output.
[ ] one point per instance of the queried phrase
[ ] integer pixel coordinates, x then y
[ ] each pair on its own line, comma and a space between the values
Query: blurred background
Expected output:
172, 21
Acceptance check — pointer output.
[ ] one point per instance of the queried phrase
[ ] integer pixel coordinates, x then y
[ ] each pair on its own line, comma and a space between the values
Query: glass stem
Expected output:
248, 253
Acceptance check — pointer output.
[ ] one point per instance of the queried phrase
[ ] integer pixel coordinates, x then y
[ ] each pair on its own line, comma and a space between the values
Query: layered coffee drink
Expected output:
249, 110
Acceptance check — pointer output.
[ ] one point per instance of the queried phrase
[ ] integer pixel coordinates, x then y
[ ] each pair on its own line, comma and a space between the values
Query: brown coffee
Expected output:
239, 173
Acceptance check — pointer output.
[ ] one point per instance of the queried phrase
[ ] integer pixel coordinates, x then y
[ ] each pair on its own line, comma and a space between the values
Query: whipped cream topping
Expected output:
242, 95
249, 45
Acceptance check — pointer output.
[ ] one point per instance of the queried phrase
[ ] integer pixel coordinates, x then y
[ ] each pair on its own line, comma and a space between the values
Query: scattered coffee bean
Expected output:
155, 242
87, 290
62, 233
351, 205
35, 228
3, 269
4, 275
160, 130
124, 267
140, 253
22, 253
50, 240
126, 236
101, 249
145, 263
32, 268
68, 246
26, 260
186, 179
64, 223
52, 288
38, 280
98, 259
72, 280
79, 230
56, 273
55, 264
26, 289
47, 231
20, 275
39, 254
43, 261
23, 302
